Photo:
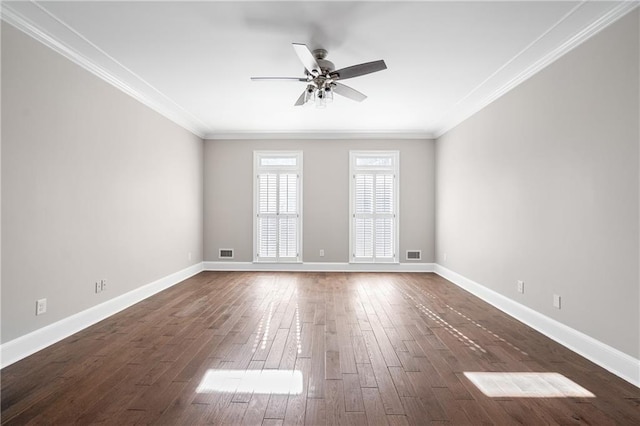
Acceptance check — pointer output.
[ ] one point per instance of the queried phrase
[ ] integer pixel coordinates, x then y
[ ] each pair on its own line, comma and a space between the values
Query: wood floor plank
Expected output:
306, 340
297, 403
452, 410
244, 395
87, 404
416, 412
370, 348
474, 411
352, 393
255, 412
386, 348
373, 407
331, 336
402, 382
182, 408
332, 365
276, 407
426, 397
335, 413
360, 349
356, 419
292, 349
408, 361
234, 413
366, 377
388, 393
345, 347
289, 315
277, 349
315, 413
64, 390
318, 357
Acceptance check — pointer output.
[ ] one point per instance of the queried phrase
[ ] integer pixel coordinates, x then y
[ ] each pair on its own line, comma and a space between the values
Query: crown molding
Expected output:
617, 12
319, 134
44, 27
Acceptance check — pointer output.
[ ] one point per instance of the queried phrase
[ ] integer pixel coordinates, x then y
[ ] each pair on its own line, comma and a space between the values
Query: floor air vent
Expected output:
414, 254
226, 254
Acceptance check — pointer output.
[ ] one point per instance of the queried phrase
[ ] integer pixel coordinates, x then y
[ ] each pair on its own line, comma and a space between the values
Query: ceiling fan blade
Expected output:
307, 58
358, 70
300, 100
278, 79
348, 92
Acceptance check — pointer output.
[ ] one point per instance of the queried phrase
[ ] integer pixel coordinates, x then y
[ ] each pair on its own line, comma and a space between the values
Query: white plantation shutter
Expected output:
364, 193
288, 193
384, 238
374, 205
288, 215
363, 218
278, 206
385, 216
288, 237
267, 195
267, 236
267, 214
384, 193
363, 237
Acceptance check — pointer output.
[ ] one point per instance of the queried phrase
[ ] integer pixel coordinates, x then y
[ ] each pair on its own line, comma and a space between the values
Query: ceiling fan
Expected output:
322, 77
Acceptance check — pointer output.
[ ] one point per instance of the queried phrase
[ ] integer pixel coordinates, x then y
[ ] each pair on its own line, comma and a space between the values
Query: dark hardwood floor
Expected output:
312, 348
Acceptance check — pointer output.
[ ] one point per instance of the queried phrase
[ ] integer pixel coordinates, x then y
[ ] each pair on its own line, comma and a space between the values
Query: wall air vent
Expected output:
226, 254
414, 254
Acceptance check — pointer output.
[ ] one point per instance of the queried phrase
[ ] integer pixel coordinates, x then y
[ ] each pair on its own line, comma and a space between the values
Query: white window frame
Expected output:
257, 170
373, 169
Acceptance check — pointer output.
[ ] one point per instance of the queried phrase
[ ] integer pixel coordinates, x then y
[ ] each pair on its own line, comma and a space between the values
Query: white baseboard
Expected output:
28, 344
318, 267
609, 358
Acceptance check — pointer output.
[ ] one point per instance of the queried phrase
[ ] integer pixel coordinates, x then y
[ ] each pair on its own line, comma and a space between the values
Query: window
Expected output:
277, 205
374, 206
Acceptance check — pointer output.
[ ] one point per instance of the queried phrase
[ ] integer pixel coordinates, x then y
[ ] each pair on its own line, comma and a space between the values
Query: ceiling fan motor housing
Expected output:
325, 65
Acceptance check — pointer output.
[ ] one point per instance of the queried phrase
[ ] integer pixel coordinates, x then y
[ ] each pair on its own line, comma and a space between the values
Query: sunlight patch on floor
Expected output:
256, 381
527, 385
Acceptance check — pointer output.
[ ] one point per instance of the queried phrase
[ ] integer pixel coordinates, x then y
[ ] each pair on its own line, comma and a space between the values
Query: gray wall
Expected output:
542, 186
228, 186
94, 186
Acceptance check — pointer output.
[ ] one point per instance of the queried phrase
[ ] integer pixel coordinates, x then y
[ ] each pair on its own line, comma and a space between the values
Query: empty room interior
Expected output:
267, 213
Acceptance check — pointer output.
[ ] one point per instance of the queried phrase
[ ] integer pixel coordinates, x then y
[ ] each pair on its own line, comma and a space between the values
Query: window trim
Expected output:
353, 169
257, 169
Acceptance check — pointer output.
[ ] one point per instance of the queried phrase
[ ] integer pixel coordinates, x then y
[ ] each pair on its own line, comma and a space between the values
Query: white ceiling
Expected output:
192, 61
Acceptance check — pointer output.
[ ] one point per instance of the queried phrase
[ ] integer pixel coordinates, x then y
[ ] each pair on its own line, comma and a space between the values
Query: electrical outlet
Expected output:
321, 252
444, 257
189, 256
520, 286
41, 306
103, 285
556, 301
98, 286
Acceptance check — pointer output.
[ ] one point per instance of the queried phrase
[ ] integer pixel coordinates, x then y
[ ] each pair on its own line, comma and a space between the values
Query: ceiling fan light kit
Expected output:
322, 77
319, 97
